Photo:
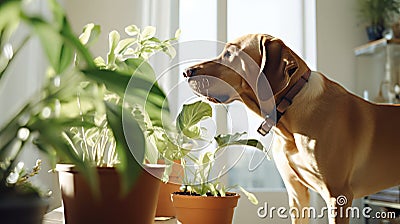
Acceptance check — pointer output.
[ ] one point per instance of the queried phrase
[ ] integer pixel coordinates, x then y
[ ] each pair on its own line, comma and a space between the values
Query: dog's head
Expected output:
243, 70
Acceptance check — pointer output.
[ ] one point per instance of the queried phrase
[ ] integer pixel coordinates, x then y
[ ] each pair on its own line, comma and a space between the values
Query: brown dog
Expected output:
328, 139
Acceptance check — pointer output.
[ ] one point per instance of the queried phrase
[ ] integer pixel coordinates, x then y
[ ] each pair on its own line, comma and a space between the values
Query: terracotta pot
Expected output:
80, 206
201, 209
164, 205
396, 30
22, 210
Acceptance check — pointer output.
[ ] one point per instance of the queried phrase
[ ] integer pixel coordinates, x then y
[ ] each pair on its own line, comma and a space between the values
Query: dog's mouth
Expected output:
201, 86
212, 99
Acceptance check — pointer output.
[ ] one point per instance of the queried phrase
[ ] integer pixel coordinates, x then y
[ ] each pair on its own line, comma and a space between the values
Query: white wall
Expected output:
111, 15
338, 33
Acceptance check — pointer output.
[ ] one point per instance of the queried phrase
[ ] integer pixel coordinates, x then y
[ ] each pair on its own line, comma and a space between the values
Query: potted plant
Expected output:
46, 119
378, 15
201, 199
19, 196
97, 144
33, 123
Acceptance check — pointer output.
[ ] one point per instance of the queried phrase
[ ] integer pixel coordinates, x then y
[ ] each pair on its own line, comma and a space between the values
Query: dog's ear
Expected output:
278, 62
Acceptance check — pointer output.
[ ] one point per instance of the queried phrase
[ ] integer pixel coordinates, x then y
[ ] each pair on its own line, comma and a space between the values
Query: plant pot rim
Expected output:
205, 202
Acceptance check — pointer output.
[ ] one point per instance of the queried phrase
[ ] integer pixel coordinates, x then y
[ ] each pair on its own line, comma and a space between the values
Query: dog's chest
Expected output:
299, 152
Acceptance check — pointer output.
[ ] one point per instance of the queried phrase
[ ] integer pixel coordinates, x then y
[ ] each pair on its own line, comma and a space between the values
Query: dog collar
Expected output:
283, 104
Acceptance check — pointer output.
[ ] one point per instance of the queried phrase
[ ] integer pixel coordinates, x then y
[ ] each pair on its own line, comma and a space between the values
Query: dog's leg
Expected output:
299, 197
339, 203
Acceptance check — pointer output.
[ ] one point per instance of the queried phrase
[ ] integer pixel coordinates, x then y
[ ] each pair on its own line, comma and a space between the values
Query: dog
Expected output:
327, 139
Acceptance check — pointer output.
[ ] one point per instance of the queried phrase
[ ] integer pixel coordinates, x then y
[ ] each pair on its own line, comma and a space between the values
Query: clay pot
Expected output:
80, 205
396, 30
200, 209
164, 205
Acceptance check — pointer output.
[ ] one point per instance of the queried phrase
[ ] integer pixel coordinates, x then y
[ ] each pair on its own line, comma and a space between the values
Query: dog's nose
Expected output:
189, 72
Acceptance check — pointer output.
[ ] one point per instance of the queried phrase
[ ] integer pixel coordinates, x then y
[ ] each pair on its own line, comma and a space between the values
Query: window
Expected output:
205, 20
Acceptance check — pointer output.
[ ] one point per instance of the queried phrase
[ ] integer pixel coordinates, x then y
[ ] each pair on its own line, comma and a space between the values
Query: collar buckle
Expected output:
266, 126
282, 106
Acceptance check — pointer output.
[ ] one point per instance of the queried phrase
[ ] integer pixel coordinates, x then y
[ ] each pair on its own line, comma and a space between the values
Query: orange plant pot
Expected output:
164, 205
200, 209
80, 206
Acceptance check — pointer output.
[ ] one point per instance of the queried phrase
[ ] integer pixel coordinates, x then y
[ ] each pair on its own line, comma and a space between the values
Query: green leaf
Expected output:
145, 124
224, 140
130, 154
90, 33
206, 158
9, 20
148, 32
57, 13
132, 30
113, 39
51, 137
190, 116
252, 198
141, 68
250, 142
141, 91
100, 62
59, 53
124, 44
178, 33
212, 189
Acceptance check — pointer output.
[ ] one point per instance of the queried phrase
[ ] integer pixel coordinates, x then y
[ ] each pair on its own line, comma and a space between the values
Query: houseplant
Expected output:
45, 118
19, 196
205, 199
378, 15
97, 144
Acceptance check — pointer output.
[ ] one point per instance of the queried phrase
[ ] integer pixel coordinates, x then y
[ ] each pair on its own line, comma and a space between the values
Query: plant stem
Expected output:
24, 41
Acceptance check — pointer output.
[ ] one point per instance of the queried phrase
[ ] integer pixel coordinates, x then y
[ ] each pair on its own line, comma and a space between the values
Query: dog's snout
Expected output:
189, 72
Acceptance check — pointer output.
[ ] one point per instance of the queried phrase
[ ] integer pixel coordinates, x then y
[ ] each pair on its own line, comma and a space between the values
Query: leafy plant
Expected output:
379, 12
127, 55
189, 132
17, 182
47, 118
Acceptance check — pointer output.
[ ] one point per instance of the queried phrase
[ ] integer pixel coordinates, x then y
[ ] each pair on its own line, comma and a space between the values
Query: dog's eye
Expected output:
227, 54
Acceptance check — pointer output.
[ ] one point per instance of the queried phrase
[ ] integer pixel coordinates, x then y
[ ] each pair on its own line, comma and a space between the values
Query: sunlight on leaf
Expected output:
132, 30
124, 44
178, 33
148, 32
252, 198
90, 33
113, 39
191, 115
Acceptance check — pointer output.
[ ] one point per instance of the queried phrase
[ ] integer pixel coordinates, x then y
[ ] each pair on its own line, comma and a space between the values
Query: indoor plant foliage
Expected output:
197, 180
198, 186
98, 144
127, 55
378, 15
48, 118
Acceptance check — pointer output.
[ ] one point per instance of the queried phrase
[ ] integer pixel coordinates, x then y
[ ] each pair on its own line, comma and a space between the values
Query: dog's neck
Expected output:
283, 100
